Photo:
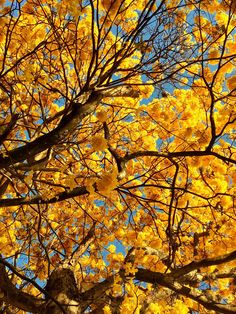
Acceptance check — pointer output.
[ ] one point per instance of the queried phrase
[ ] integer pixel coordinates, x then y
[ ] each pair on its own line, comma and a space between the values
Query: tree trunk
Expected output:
62, 293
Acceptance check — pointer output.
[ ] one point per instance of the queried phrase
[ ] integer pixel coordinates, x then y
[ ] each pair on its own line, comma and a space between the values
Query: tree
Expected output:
117, 156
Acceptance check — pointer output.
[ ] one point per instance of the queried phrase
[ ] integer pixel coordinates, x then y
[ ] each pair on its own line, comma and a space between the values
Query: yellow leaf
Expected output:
99, 143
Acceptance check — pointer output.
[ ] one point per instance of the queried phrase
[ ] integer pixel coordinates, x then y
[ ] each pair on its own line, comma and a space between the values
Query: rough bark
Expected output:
66, 126
63, 296
63, 288
15, 297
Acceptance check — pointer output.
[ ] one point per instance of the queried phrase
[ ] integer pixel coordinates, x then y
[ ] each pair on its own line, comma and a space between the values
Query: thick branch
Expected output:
120, 91
205, 263
66, 126
9, 128
52, 138
177, 154
4, 186
78, 191
97, 294
15, 297
167, 281
84, 244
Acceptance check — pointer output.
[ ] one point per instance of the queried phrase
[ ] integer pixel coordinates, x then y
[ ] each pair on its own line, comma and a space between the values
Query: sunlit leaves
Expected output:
107, 182
134, 107
99, 143
231, 82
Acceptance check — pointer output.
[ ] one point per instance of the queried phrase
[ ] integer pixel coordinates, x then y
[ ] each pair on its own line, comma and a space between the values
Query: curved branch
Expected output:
15, 297
66, 126
9, 128
205, 263
171, 281
54, 137
7, 202
178, 154
167, 281
97, 293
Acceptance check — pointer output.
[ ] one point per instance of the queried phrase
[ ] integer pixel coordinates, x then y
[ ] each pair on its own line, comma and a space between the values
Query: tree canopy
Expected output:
117, 156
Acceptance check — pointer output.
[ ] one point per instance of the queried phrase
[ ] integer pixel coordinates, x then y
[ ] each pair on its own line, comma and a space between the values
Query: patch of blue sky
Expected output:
160, 142
128, 118
116, 76
60, 101
120, 248
15, 7
226, 137
204, 286
126, 139
100, 203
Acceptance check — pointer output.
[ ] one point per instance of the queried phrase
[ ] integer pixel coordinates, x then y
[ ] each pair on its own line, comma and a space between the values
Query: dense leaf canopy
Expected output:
117, 156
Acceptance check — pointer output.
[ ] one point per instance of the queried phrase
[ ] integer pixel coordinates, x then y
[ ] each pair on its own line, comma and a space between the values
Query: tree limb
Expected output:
166, 281
15, 297
205, 263
78, 191
9, 128
177, 154
66, 126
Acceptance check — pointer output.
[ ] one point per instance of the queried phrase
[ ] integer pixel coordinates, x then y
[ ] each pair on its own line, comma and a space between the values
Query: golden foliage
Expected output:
117, 136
